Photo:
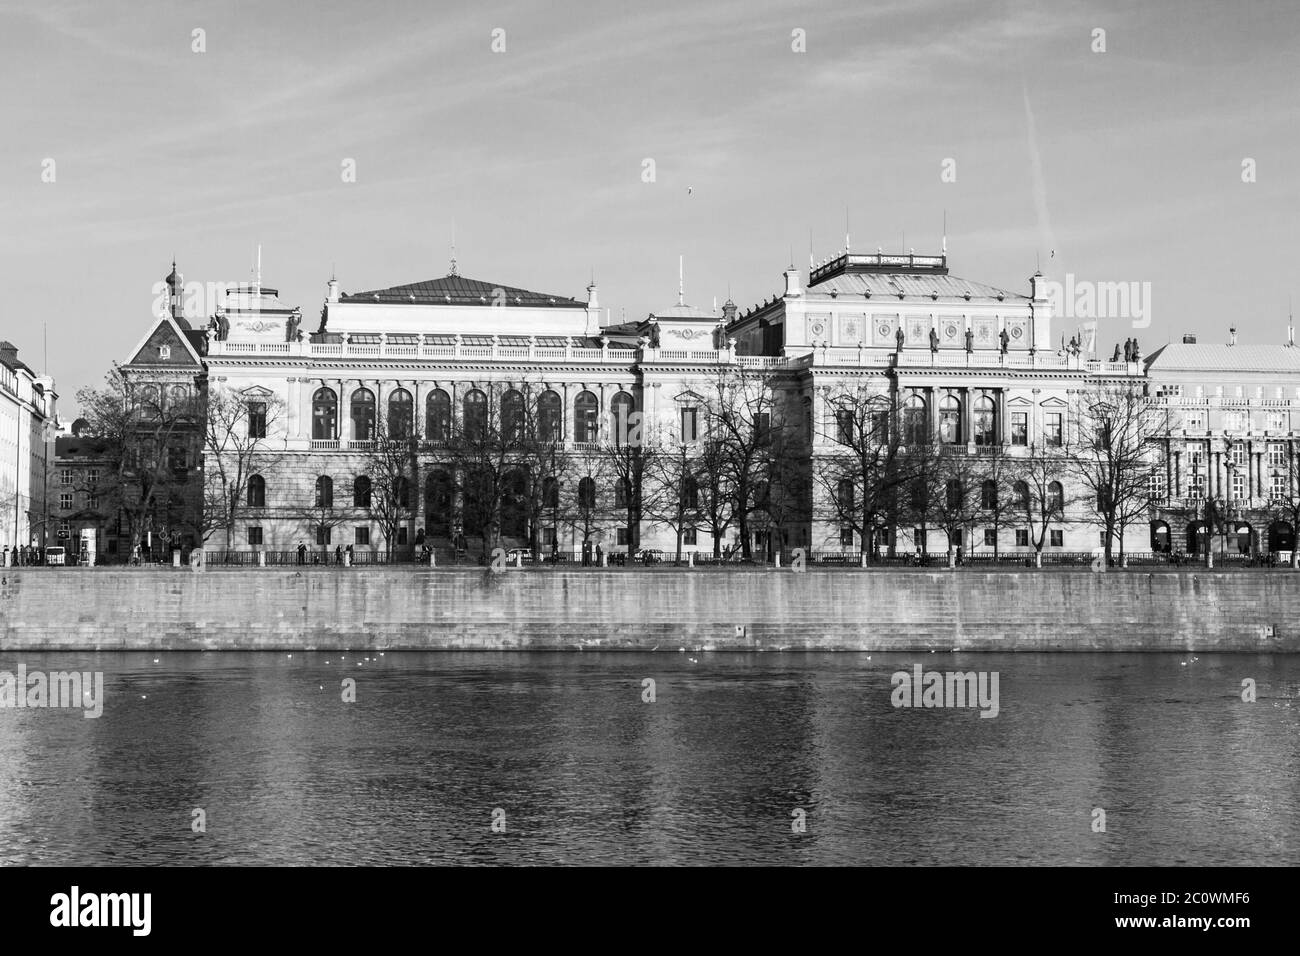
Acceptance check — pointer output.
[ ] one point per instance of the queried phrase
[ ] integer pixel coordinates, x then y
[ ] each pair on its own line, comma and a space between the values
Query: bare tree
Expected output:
1038, 493
153, 445
236, 446
675, 502
1114, 427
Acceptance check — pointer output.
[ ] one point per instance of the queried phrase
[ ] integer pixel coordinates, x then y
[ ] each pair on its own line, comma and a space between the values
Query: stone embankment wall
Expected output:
746, 610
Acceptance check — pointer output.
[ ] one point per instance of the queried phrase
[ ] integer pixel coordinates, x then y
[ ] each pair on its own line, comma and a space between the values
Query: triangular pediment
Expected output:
164, 345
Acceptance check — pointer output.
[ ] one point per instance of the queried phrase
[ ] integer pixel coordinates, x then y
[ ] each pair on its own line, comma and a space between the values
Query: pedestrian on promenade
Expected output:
302, 553
338, 554
599, 556
351, 558
586, 553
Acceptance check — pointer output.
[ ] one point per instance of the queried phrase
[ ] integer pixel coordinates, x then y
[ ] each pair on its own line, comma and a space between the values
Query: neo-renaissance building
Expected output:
970, 364
27, 422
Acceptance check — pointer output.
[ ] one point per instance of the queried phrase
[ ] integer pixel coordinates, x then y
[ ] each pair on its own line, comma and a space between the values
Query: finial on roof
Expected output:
943, 246
681, 280
453, 249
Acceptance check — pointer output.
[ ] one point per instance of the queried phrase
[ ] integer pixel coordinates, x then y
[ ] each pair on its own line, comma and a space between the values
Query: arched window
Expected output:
955, 494
257, 492
844, 495
149, 401
324, 414
985, 430
550, 494
916, 430
324, 492
361, 492
549, 416
690, 493
620, 419
1055, 497
514, 505
437, 415
437, 503
989, 495
401, 415
476, 415
950, 420
587, 493
402, 492
1020, 492
363, 415
621, 493
512, 416
586, 424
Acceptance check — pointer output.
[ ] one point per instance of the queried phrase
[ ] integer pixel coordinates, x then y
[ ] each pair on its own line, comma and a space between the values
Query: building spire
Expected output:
257, 271
944, 245
681, 280
846, 230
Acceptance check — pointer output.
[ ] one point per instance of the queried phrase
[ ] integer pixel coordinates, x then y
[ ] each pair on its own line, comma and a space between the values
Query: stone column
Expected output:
1178, 475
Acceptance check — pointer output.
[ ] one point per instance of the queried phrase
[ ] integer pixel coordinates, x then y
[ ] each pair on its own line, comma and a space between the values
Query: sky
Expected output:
1164, 151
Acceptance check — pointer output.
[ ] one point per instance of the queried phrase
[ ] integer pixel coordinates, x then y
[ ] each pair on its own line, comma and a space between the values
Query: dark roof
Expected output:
458, 290
79, 446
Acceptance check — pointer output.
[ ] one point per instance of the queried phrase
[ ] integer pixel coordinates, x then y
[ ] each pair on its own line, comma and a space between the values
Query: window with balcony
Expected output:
586, 418
985, 432
950, 420
363, 415
916, 430
324, 414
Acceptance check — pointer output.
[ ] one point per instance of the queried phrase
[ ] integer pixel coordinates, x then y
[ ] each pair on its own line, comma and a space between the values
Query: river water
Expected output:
734, 753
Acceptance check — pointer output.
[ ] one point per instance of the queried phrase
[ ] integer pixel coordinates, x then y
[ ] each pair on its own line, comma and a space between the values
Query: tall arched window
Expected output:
950, 420
620, 419
512, 416
1020, 491
621, 493
550, 416
989, 495
401, 415
985, 430
844, 496
916, 430
324, 414
514, 505
324, 492
587, 493
1055, 497
363, 415
690, 493
955, 493
402, 492
476, 415
361, 492
550, 494
586, 423
437, 503
257, 492
437, 415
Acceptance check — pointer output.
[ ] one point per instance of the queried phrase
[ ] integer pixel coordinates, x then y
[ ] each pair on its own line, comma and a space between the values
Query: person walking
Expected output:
600, 556
302, 553
338, 554
349, 552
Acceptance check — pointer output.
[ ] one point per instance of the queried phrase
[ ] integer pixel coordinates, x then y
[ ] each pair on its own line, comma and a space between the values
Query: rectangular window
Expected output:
1156, 483
65, 477
1237, 454
1022, 538
1238, 486
255, 535
958, 538
688, 536
1277, 421
65, 501
1020, 428
92, 502
622, 537
844, 426
362, 535
690, 430
990, 538
322, 535
1194, 420
92, 476
762, 428
401, 535
1234, 421
846, 537
1277, 456
1054, 432
1279, 485
1057, 537
257, 419
548, 536
918, 537
176, 458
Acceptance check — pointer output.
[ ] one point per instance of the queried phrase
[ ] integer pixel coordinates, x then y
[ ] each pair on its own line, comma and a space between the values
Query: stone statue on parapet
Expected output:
934, 341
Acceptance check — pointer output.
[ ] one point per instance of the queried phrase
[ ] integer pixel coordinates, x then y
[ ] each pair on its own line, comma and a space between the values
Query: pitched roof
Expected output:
165, 331
459, 290
917, 286
1182, 356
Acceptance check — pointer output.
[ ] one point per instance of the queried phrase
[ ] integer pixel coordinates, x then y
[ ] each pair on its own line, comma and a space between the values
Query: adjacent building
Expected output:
27, 424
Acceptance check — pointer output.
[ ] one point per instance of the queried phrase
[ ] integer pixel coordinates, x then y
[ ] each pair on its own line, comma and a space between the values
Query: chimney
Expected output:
8, 354
792, 283
1232, 335
1189, 338
591, 296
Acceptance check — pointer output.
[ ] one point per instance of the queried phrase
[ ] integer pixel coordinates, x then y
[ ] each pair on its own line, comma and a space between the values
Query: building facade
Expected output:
27, 424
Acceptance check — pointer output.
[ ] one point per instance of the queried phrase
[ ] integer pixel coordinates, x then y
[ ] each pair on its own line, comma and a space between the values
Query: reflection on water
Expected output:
586, 772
